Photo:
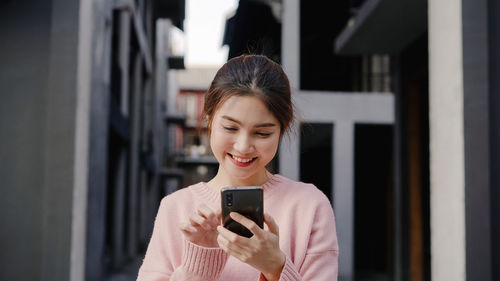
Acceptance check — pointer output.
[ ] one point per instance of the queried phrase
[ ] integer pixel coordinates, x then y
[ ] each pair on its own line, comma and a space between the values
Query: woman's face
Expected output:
244, 138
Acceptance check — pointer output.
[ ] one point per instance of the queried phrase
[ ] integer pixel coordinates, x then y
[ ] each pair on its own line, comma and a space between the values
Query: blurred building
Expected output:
83, 122
189, 146
445, 62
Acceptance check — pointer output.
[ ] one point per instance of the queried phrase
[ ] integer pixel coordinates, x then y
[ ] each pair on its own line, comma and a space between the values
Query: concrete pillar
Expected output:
96, 43
343, 194
44, 109
446, 141
461, 40
24, 57
290, 38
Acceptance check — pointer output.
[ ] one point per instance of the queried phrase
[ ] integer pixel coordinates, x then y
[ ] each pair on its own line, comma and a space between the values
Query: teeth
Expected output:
242, 160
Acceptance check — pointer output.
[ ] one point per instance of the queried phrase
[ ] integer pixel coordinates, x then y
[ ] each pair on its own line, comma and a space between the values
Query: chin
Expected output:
240, 176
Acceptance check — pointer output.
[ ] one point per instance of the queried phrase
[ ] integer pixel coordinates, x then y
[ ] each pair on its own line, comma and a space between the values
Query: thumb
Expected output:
271, 223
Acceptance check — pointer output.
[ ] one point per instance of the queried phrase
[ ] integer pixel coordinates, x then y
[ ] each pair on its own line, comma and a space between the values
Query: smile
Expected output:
242, 160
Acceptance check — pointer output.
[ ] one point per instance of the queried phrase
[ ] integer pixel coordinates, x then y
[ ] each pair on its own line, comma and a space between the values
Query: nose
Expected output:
243, 144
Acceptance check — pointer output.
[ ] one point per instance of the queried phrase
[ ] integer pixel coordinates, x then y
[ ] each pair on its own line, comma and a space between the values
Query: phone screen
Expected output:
247, 201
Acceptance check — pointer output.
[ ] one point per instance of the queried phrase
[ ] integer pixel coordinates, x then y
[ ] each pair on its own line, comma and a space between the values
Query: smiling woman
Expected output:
244, 134
248, 108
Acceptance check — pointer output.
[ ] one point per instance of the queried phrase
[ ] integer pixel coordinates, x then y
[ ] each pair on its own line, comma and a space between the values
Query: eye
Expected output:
230, 129
264, 135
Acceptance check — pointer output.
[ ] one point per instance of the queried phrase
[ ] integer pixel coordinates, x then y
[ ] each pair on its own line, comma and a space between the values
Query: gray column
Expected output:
289, 160
290, 41
343, 195
134, 149
25, 31
64, 168
96, 44
124, 57
446, 141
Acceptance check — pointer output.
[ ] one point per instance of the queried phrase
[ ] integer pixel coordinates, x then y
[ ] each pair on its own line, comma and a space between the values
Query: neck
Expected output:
221, 180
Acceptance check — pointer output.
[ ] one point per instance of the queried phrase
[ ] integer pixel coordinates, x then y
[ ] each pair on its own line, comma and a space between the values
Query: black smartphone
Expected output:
245, 200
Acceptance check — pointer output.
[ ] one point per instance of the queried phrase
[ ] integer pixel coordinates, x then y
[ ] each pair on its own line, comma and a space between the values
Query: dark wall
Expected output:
494, 109
476, 139
373, 207
320, 69
316, 139
24, 63
410, 86
38, 56
244, 34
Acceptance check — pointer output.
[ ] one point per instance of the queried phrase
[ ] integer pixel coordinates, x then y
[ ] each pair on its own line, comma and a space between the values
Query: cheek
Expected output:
270, 147
218, 139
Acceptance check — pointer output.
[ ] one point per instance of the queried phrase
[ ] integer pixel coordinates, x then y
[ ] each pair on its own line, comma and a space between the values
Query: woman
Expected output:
248, 109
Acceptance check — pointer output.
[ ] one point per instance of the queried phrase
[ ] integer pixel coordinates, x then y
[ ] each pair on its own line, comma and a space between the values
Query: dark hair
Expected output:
251, 75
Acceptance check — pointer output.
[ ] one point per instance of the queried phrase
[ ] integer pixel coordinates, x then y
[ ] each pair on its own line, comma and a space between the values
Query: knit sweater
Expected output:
306, 226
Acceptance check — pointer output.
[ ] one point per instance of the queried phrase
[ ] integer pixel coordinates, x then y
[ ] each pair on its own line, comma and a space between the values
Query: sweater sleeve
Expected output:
197, 262
321, 259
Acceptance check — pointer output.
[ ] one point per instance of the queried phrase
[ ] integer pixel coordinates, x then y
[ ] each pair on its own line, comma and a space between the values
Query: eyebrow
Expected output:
263, 125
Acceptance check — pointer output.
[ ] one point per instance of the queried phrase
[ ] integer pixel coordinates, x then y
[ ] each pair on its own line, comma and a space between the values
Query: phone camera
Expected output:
229, 199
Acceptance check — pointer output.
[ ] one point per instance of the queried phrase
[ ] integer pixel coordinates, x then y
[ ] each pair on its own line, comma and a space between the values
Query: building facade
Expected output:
83, 113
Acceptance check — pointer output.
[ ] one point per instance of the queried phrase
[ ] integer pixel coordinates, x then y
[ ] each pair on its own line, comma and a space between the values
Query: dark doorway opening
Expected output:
373, 192
316, 154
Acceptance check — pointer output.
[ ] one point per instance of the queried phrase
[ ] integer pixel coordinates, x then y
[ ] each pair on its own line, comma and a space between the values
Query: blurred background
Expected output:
398, 124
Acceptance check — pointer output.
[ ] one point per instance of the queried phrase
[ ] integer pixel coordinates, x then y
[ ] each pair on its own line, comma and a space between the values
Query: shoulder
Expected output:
179, 194
295, 196
181, 198
298, 190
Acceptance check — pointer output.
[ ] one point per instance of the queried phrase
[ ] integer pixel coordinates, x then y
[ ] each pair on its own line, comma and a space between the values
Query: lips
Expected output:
242, 161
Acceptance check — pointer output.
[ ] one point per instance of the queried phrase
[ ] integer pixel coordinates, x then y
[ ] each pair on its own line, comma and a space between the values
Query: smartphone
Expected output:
245, 200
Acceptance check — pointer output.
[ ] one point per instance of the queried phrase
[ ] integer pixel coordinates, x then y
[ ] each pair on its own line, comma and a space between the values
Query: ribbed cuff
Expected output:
203, 262
289, 272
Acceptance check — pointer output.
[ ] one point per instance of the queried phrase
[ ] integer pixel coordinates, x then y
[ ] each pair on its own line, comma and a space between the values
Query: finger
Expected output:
222, 242
235, 250
271, 223
197, 220
248, 223
187, 228
209, 214
228, 234
232, 237
228, 246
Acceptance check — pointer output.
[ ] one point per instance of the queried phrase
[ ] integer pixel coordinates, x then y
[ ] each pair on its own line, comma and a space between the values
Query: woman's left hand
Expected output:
261, 251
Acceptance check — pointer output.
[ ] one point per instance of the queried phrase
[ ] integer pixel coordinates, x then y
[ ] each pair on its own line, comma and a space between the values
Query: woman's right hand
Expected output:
202, 227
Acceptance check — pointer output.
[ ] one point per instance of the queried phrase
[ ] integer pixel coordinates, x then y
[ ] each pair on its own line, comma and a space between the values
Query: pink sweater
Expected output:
306, 226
